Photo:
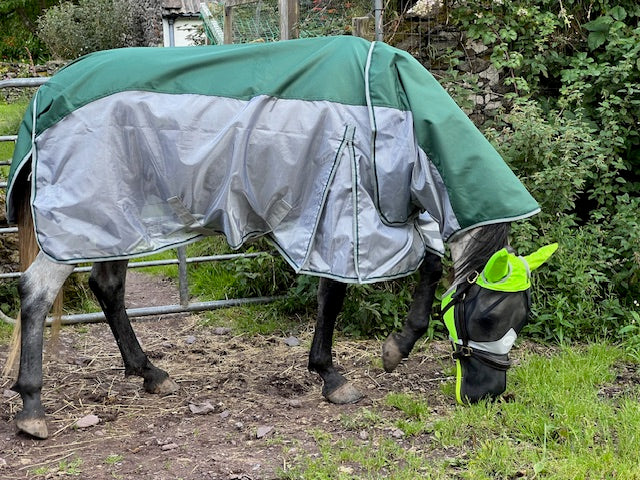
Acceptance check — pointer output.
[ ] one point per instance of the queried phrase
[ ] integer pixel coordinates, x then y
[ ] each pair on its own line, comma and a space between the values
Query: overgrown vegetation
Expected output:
18, 25
574, 70
72, 29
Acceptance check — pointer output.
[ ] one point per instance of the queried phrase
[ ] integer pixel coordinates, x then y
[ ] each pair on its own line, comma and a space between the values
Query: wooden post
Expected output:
289, 18
359, 26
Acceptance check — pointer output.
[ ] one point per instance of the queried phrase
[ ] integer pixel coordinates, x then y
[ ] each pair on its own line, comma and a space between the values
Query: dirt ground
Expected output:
247, 406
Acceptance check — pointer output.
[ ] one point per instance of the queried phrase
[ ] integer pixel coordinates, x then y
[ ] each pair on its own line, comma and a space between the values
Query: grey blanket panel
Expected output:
124, 177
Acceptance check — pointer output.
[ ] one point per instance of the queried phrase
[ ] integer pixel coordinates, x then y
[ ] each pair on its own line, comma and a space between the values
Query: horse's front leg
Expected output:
38, 287
107, 282
398, 345
335, 388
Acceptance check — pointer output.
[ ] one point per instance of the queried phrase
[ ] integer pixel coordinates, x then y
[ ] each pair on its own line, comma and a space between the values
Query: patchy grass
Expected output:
568, 421
10, 117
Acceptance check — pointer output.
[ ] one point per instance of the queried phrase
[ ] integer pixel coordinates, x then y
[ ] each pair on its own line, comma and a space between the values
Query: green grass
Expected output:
561, 425
10, 117
6, 330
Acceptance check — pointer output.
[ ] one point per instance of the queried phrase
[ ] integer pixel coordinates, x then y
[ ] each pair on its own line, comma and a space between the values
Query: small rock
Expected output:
363, 435
239, 425
397, 433
169, 446
292, 342
225, 414
221, 330
3, 462
491, 74
82, 361
8, 393
263, 431
295, 403
201, 408
190, 340
477, 47
88, 421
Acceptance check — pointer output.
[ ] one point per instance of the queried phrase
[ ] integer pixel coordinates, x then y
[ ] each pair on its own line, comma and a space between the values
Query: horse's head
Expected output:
484, 316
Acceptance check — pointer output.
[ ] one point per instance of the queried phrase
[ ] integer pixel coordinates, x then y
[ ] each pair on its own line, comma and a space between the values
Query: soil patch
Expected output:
246, 405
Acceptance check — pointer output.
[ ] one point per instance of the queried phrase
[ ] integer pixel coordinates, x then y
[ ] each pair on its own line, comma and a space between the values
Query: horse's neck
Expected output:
458, 247
471, 250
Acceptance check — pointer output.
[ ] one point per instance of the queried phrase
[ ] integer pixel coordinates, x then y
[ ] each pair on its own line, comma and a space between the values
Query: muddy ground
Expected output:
247, 406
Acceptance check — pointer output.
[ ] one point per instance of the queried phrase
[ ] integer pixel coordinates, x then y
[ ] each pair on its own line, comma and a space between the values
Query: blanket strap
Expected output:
188, 219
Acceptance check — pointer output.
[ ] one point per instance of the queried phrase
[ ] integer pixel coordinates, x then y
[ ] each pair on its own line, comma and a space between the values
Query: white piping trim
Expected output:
367, 90
454, 236
355, 183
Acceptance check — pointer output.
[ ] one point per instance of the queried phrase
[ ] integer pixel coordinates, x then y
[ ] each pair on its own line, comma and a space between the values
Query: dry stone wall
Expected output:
148, 14
432, 41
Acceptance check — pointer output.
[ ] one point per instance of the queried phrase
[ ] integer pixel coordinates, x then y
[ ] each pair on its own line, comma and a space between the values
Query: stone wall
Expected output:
431, 41
149, 19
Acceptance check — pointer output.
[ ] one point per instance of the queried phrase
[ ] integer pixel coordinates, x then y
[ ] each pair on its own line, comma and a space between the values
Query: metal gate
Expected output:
182, 261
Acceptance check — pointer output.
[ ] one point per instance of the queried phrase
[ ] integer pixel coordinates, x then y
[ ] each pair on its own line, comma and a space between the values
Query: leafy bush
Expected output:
589, 287
573, 70
71, 30
17, 24
376, 310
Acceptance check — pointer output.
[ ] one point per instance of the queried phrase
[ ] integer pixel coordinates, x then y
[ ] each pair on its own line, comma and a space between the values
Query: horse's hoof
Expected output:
345, 393
165, 387
34, 426
391, 356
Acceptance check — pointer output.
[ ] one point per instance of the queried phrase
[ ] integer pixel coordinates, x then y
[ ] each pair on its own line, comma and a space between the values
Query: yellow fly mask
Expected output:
484, 316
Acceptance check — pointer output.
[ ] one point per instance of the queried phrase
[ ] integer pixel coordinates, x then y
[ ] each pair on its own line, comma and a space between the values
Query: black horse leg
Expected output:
398, 345
38, 287
336, 388
107, 282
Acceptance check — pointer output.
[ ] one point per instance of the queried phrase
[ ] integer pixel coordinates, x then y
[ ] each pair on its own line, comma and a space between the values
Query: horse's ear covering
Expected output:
540, 256
497, 267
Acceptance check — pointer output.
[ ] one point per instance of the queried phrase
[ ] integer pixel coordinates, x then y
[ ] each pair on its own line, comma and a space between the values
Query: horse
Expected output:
352, 184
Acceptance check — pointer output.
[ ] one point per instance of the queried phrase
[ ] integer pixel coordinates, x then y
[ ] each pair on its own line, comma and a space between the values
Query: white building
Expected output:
180, 22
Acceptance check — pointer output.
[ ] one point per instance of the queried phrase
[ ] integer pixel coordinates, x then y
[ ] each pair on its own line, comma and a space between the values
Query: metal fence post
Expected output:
183, 282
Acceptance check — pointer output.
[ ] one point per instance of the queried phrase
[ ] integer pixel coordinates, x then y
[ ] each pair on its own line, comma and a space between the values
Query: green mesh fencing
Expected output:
260, 21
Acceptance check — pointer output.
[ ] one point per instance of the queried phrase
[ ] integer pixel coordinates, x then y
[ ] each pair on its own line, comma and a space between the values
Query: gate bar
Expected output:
98, 317
157, 263
24, 82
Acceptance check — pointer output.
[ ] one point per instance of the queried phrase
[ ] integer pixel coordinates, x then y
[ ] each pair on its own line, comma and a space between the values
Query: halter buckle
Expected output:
466, 350
472, 277
461, 351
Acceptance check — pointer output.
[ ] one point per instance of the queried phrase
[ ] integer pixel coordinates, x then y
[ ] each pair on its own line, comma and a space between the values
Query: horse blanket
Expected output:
348, 155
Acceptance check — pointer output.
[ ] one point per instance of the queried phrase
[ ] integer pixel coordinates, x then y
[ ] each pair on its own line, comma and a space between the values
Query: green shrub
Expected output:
71, 30
376, 310
573, 71
589, 287
17, 24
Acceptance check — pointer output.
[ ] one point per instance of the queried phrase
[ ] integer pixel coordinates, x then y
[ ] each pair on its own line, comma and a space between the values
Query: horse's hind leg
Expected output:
336, 388
107, 282
398, 345
38, 287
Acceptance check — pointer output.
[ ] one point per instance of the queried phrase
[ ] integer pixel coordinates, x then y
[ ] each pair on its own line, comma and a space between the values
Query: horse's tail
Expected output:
28, 250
